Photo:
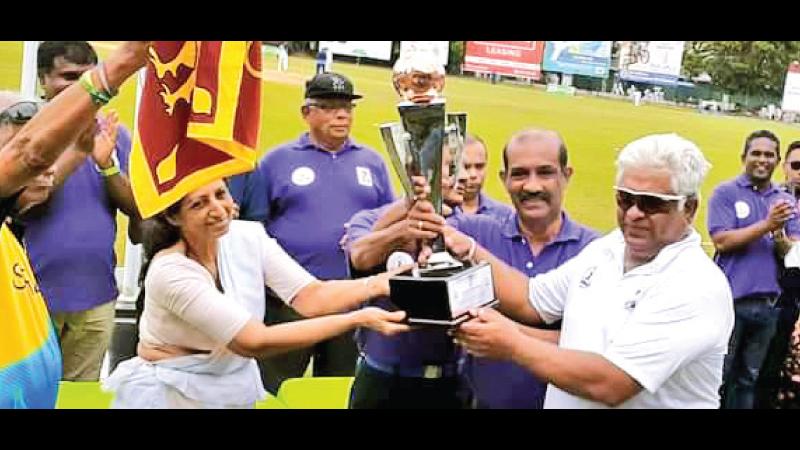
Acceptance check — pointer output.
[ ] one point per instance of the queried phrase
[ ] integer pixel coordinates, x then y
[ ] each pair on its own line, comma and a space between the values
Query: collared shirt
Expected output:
665, 323
487, 206
304, 195
505, 384
70, 242
738, 204
423, 346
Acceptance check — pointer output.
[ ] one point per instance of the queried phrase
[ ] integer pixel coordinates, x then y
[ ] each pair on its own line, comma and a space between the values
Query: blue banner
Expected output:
589, 58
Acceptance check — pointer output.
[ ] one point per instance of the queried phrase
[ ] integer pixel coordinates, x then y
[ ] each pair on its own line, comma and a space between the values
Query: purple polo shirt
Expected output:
504, 384
752, 270
423, 346
490, 207
70, 243
304, 195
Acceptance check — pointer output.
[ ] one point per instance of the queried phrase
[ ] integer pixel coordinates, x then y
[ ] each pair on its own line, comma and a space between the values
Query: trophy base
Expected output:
443, 297
448, 323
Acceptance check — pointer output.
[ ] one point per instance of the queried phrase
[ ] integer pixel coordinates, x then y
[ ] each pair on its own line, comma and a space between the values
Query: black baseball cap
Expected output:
330, 85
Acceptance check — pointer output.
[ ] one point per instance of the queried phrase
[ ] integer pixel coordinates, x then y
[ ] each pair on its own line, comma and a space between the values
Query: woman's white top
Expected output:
184, 308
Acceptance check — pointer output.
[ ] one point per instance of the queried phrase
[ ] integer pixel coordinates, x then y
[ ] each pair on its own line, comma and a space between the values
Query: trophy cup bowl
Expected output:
418, 78
444, 290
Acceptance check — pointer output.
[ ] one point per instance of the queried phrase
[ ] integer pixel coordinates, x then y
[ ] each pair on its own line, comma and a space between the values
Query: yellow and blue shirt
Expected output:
30, 358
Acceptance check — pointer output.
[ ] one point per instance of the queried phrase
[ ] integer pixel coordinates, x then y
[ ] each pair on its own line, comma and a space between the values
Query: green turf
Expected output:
594, 128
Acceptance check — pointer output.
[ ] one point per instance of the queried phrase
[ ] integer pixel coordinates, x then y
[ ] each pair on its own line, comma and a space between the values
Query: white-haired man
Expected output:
646, 314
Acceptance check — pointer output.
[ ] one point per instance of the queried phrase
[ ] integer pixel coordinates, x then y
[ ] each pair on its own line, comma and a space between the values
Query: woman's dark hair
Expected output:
157, 234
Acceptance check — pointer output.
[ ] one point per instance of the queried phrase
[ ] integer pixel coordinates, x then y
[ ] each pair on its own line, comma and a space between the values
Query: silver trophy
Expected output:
441, 292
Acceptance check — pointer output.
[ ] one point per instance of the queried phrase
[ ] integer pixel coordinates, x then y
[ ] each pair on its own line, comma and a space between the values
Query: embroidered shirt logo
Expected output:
364, 176
586, 280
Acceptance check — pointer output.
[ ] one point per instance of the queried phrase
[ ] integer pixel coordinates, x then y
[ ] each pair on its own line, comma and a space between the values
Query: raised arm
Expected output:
42, 140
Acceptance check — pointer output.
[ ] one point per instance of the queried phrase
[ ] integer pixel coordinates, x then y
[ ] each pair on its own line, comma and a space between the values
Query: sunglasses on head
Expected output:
20, 113
648, 202
795, 165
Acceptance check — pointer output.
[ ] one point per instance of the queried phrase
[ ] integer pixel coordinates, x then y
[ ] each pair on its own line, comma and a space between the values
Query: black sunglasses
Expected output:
20, 113
647, 202
795, 165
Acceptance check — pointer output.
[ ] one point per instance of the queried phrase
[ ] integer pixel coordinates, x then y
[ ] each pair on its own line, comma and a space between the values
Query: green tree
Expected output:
751, 68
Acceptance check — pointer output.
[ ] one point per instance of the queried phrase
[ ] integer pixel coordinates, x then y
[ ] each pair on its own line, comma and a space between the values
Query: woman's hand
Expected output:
382, 321
379, 284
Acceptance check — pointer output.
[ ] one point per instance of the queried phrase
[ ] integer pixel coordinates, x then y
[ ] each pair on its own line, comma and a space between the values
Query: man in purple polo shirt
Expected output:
70, 238
474, 160
418, 369
751, 220
304, 192
535, 239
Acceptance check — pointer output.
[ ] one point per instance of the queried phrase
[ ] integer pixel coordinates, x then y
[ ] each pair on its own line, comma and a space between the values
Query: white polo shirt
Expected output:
665, 323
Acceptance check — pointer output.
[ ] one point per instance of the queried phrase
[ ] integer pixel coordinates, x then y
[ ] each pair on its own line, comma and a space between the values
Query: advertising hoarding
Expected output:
589, 58
657, 62
514, 58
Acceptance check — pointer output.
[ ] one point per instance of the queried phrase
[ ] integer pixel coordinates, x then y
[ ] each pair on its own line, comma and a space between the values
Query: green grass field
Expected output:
594, 128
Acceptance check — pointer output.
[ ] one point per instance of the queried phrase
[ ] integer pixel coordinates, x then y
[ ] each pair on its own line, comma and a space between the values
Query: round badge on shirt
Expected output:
303, 176
742, 209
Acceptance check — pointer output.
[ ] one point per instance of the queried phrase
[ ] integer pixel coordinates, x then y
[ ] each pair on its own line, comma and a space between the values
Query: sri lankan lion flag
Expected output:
198, 120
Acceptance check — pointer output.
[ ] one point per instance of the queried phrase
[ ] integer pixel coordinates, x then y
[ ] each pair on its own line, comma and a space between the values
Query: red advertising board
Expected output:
514, 58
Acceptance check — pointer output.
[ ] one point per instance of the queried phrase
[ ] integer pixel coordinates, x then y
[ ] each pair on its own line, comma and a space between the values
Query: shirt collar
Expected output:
570, 231
744, 181
305, 143
662, 259
484, 203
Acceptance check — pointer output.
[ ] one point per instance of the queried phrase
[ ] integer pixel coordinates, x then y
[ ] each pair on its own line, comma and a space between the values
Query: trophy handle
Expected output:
457, 130
394, 139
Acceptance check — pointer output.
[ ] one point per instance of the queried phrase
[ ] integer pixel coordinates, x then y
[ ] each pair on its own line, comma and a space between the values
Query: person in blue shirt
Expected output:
475, 159
419, 369
535, 238
316, 182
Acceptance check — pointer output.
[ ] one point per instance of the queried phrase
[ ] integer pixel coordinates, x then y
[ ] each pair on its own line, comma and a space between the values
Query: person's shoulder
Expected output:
694, 272
169, 265
123, 132
726, 187
603, 244
282, 151
476, 222
244, 233
366, 152
585, 233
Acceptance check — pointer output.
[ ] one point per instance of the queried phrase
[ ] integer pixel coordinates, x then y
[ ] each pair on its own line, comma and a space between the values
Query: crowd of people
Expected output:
239, 295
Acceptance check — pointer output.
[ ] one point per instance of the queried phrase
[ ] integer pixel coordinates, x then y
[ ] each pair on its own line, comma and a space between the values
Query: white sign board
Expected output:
364, 49
440, 49
791, 90
652, 61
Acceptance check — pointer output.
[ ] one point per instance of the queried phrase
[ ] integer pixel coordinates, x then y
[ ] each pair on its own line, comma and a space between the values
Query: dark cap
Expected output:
330, 85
